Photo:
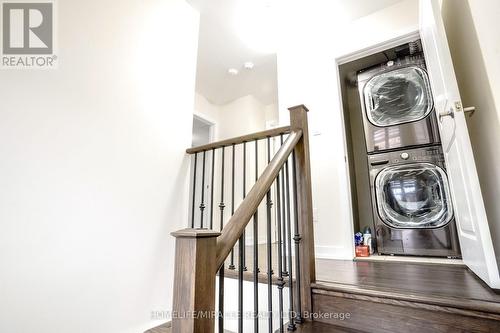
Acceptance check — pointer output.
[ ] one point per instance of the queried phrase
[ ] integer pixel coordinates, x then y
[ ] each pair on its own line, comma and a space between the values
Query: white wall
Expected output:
486, 15
242, 116
312, 38
208, 111
472, 30
93, 171
272, 115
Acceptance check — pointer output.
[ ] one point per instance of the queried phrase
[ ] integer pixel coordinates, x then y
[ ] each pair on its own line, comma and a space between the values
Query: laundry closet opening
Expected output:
398, 182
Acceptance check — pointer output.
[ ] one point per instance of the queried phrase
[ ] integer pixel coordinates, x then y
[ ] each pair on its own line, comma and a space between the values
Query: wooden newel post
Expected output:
194, 281
298, 121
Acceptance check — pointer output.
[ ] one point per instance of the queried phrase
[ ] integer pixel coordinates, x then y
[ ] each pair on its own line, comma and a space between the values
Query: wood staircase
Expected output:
381, 309
395, 311
321, 306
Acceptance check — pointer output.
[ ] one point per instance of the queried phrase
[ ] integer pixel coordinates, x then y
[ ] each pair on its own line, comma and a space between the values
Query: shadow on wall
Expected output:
475, 90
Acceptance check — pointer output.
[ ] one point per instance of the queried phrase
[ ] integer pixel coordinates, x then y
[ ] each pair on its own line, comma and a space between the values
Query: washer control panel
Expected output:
427, 154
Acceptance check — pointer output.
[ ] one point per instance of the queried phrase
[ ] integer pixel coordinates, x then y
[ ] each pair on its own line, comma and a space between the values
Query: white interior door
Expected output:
470, 215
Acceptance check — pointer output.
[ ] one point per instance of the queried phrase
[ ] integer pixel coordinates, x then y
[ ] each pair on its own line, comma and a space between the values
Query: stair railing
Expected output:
201, 253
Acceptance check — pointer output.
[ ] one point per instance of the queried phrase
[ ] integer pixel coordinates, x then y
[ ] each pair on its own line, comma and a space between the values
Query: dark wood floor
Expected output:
423, 279
317, 327
308, 327
413, 278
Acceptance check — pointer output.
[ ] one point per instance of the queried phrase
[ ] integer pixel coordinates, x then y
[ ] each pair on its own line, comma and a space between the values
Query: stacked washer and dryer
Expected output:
412, 208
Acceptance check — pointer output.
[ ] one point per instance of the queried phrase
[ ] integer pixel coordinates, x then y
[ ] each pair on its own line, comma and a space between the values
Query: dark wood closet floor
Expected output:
423, 279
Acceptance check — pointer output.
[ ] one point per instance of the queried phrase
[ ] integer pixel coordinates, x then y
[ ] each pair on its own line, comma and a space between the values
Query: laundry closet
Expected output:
412, 178
400, 185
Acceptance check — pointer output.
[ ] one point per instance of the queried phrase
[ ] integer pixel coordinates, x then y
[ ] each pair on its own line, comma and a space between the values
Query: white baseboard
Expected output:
321, 251
333, 252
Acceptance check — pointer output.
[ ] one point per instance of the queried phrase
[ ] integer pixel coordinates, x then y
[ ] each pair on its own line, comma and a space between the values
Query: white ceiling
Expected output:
221, 47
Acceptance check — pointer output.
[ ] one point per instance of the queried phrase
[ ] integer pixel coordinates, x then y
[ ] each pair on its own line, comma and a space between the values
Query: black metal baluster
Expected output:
240, 286
285, 270
244, 195
221, 270
297, 239
202, 204
212, 191
280, 283
269, 249
194, 189
256, 251
241, 254
221, 204
231, 264
291, 323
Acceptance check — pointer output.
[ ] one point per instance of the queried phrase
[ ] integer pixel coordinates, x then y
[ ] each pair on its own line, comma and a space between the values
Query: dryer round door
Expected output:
413, 196
398, 96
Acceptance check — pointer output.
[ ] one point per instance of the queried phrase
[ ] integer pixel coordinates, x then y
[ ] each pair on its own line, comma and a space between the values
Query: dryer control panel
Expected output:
426, 154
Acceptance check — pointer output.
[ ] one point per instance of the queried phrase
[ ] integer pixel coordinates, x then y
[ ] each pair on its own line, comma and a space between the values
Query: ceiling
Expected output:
225, 41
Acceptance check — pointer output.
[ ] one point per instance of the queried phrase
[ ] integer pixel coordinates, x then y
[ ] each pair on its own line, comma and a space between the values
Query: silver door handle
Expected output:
446, 113
470, 110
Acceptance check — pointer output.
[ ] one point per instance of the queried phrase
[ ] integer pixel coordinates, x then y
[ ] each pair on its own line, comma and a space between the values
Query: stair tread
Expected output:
407, 277
317, 327
403, 295
307, 327
167, 328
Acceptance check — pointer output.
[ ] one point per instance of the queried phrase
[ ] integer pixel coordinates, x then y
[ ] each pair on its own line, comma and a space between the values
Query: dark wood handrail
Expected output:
237, 223
240, 139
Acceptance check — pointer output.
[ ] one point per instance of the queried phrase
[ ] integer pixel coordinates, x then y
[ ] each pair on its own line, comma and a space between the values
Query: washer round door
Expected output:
413, 196
398, 96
